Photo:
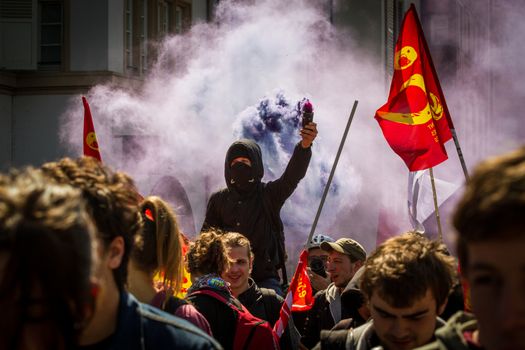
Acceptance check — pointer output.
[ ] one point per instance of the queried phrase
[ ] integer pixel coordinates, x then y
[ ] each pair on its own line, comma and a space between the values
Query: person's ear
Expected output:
441, 308
251, 264
115, 252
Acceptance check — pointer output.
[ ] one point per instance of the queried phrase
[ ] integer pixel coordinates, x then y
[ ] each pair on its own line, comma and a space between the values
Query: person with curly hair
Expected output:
120, 320
46, 256
158, 250
207, 260
406, 281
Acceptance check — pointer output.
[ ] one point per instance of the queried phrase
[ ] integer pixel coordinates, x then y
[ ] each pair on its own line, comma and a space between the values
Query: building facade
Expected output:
51, 50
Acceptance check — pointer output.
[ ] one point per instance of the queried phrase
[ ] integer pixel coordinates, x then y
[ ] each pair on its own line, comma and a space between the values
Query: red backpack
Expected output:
251, 332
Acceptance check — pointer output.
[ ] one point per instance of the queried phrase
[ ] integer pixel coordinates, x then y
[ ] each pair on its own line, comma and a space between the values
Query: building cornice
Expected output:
61, 83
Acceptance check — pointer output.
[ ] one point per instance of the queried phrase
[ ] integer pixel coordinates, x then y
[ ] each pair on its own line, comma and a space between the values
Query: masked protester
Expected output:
252, 207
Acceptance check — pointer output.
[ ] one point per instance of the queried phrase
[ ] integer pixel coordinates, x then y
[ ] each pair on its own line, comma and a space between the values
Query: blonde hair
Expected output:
158, 247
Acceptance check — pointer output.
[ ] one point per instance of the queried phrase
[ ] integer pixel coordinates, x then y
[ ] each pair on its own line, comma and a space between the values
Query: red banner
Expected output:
415, 120
303, 299
299, 296
90, 138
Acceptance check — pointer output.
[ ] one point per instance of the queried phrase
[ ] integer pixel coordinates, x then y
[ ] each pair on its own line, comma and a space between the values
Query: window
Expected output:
51, 34
182, 17
18, 28
164, 17
143, 49
136, 48
129, 34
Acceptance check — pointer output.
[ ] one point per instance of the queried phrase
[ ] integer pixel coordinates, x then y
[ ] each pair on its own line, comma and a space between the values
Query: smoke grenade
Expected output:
308, 113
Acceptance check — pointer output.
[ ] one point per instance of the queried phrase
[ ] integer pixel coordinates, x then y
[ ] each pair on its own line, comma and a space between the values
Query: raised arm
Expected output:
283, 187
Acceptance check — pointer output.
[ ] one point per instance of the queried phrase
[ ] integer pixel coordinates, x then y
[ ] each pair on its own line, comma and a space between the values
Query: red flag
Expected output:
466, 291
90, 138
299, 296
415, 120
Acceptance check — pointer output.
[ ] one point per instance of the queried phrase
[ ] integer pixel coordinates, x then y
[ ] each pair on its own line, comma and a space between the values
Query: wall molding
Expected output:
62, 83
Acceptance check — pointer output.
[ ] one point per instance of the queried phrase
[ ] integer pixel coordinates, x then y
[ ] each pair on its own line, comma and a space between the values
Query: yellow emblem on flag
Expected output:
410, 118
91, 141
436, 107
405, 57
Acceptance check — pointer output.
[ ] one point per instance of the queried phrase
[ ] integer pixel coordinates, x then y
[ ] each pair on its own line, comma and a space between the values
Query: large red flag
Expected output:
90, 138
299, 296
415, 120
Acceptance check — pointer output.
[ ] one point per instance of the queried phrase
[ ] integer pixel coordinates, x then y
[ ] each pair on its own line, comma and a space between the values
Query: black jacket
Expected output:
257, 214
266, 305
320, 317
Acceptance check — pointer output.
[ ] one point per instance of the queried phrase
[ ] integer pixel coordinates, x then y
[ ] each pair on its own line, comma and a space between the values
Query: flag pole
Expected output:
327, 186
445, 106
460, 154
440, 231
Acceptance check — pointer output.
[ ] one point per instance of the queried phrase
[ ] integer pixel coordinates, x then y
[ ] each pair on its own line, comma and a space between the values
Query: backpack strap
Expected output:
271, 307
219, 297
172, 304
250, 336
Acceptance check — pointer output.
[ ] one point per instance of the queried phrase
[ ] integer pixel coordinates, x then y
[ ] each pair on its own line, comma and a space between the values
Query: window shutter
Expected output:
18, 34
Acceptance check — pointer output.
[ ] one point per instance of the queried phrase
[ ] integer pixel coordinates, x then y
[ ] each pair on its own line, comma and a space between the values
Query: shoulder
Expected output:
363, 333
156, 328
347, 338
320, 296
450, 336
333, 339
269, 294
164, 328
191, 314
223, 193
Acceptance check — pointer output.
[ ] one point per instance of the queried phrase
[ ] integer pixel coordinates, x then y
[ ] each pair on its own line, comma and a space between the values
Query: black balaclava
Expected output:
240, 177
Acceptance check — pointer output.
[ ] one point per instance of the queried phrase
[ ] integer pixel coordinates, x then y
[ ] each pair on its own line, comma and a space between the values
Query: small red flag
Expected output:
299, 296
415, 120
303, 299
90, 138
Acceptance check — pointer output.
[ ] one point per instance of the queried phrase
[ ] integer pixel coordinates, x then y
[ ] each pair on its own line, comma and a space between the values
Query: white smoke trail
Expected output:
207, 81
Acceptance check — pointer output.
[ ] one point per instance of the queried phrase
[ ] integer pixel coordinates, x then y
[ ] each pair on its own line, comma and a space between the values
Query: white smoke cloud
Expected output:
185, 117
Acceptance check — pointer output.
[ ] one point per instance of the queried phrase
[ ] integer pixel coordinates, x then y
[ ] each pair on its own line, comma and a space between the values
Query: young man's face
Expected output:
404, 328
239, 271
340, 268
496, 273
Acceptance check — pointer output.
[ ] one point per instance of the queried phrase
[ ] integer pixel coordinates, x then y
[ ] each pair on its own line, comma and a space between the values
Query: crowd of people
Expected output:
80, 249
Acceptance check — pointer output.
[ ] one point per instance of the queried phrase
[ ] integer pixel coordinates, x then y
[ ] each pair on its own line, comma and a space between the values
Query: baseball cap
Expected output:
346, 246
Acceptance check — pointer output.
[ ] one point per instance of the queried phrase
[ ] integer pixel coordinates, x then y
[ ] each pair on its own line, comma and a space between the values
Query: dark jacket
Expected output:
266, 305
222, 319
142, 327
360, 338
320, 317
257, 214
452, 335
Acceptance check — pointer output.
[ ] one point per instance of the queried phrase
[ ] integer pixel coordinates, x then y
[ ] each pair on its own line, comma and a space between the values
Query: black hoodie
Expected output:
256, 214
